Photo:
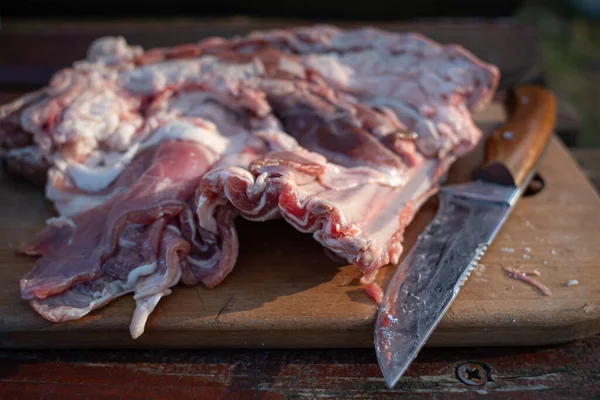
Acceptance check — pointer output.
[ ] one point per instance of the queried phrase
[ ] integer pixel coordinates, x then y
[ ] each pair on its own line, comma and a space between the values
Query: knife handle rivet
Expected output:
473, 373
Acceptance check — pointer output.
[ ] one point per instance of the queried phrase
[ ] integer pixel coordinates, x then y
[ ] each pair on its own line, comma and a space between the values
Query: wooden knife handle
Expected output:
513, 149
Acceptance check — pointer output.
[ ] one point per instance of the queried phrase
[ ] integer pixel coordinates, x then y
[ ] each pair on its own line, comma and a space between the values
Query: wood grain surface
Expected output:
285, 293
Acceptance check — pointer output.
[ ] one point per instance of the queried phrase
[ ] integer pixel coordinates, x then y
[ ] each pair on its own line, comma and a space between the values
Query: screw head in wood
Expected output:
473, 373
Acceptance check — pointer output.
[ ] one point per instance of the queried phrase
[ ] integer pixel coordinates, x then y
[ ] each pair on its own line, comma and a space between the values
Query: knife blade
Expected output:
468, 218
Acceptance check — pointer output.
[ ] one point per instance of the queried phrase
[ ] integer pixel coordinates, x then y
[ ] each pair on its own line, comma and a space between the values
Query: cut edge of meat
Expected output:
260, 196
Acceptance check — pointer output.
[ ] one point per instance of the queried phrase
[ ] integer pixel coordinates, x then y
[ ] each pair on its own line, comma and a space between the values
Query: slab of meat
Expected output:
150, 156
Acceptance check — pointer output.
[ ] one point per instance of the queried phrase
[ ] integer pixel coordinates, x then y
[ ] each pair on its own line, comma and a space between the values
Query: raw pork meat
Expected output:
149, 156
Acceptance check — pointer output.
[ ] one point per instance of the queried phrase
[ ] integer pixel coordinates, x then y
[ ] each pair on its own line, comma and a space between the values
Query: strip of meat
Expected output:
523, 276
160, 192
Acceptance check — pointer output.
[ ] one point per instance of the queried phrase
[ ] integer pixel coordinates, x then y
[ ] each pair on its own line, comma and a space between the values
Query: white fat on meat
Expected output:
60, 222
330, 67
112, 50
174, 229
339, 178
78, 203
160, 76
96, 115
147, 295
143, 309
208, 123
291, 67
150, 288
96, 178
69, 203
182, 129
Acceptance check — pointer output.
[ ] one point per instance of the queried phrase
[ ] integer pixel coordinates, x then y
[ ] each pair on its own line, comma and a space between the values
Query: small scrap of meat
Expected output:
374, 290
149, 157
524, 276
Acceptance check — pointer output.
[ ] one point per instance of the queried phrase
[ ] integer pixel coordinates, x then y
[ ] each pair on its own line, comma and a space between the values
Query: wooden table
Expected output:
517, 373
571, 370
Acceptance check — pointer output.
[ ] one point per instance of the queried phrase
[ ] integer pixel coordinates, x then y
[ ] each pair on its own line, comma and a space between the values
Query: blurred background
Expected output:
569, 30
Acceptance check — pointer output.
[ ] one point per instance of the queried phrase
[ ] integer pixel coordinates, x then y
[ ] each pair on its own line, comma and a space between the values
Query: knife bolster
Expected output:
496, 172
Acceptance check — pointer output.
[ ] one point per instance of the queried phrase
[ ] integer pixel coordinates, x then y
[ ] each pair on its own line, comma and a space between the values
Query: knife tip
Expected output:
391, 375
391, 381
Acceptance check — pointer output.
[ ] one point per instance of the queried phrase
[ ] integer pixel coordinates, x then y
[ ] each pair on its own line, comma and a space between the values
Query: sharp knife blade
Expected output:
429, 278
468, 218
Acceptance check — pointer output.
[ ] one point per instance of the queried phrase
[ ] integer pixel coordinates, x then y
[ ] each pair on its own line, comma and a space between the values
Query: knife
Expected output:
468, 218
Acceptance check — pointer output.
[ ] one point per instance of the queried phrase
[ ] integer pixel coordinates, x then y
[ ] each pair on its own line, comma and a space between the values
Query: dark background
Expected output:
314, 9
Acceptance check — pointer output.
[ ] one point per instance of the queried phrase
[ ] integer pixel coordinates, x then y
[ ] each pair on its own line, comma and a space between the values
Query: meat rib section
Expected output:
150, 156
361, 221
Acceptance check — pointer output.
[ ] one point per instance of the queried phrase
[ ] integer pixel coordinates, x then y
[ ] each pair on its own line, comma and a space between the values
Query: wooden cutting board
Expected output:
284, 292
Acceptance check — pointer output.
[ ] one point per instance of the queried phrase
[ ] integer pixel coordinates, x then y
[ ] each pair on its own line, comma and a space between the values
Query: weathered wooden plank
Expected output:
518, 373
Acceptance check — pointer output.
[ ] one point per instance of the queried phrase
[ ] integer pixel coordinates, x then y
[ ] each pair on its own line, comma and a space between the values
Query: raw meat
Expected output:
116, 248
150, 156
